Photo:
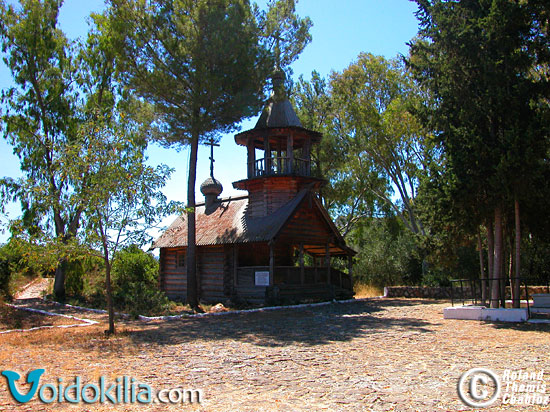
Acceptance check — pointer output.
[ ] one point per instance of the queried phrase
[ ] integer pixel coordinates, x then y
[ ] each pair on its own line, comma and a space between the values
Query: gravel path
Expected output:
374, 355
34, 289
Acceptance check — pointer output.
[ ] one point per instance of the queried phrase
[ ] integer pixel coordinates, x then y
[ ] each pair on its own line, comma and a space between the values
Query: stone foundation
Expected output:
417, 292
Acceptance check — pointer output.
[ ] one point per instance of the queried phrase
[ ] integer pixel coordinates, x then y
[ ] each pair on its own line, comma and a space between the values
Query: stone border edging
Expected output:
228, 312
86, 322
255, 310
99, 311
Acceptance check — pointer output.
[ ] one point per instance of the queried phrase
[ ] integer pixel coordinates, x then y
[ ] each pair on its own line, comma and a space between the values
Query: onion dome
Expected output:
211, 186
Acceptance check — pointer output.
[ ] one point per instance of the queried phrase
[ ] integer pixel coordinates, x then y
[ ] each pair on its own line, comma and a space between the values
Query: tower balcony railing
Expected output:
279, 165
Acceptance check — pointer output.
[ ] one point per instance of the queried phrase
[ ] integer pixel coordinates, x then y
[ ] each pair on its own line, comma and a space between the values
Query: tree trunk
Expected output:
511, 274
490, 255
503, 273
61, 270
483, 277
516, 300
498, 261
59, 282
192, 296
109, 290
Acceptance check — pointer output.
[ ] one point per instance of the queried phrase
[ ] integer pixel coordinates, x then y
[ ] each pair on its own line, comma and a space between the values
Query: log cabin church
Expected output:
255, 247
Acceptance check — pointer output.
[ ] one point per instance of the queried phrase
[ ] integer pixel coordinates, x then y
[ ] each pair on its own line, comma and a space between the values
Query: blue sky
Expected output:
341, 30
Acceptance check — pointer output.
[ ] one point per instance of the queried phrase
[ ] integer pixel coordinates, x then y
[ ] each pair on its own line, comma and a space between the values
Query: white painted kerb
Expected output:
483, 313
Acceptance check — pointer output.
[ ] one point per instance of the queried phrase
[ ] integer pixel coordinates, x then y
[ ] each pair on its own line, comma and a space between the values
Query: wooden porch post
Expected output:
235, 265
307, 156
271, 263
251, 158
302, 270
327, 261
350, 268
267, 156
315, 266
289, 152
279, 159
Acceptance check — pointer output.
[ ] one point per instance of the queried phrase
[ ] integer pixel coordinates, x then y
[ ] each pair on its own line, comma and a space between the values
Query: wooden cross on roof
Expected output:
211, 143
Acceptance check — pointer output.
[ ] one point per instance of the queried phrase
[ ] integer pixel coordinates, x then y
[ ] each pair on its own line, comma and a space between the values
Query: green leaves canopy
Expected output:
199, 62
38, 116
477, 58
373, 147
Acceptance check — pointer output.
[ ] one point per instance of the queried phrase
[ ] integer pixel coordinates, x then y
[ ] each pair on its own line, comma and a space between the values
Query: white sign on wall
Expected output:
261, 278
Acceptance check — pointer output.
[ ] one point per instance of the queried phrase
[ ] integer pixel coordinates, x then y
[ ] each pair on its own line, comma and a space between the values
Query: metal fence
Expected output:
479, 291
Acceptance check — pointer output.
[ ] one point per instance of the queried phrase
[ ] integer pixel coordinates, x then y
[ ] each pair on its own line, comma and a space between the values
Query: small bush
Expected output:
74, 278
135, 282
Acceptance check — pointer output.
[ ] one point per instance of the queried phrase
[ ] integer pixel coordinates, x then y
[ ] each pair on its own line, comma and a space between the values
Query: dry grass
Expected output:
362, 290
85, 339
11, 318
372, 355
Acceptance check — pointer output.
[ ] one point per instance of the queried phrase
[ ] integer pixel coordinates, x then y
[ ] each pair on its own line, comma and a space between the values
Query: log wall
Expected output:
212, 273
267, 195
210, 268
173, 280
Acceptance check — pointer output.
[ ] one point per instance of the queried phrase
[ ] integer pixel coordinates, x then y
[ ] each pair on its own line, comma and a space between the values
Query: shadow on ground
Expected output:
311, 326
521, 326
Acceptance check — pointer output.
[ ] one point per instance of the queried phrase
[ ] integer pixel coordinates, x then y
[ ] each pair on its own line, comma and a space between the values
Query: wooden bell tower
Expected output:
283, 166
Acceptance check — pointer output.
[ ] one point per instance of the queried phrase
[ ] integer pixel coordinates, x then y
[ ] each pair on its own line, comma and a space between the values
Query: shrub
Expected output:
20, 263
135, 282
74, 278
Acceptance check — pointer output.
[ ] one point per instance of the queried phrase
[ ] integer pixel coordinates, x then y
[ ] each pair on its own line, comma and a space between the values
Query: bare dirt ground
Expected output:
370, 355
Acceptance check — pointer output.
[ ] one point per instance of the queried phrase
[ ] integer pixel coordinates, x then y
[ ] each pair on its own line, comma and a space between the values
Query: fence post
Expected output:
452, 295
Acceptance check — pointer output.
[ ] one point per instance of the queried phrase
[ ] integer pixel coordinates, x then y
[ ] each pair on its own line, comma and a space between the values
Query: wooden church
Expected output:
255, 247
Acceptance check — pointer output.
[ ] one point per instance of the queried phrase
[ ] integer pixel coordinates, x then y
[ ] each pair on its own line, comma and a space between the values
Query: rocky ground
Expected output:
369, 355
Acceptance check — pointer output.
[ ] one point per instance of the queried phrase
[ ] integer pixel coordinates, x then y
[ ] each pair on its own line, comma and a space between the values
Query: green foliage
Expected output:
386, 253
536, 260
132, 265
40, 114
485, 65
59, 89
373, 146
477, 58
74, 281
21, 262
135, 282
461, 262
184, 58
283, 32
5, 277
373, 153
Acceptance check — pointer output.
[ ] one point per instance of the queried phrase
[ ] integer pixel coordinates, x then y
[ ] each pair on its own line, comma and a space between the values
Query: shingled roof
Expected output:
229, 224
278, 114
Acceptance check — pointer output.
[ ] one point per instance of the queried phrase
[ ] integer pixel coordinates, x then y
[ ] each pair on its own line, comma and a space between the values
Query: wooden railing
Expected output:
292, 275
280, 165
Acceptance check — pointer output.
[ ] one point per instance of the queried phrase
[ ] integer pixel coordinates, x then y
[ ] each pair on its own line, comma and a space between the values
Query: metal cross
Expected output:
211, 144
